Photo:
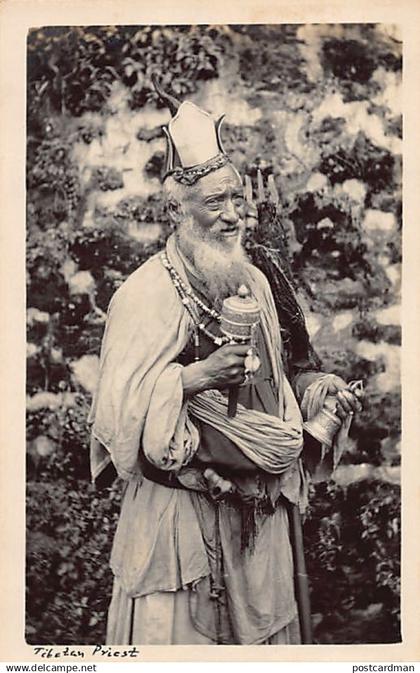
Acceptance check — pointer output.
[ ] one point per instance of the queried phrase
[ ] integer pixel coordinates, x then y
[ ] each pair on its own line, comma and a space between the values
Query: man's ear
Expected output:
175, 211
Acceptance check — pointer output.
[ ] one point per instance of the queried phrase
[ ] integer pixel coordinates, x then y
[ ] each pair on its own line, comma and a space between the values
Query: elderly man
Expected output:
202, 552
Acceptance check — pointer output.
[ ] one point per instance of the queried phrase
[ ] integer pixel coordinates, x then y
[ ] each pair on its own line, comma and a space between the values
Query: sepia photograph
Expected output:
213, 313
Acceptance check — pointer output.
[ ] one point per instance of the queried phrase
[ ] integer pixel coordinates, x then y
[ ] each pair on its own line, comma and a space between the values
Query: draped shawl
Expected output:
140, 401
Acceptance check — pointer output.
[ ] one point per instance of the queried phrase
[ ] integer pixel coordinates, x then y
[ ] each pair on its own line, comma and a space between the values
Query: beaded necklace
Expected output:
192, 303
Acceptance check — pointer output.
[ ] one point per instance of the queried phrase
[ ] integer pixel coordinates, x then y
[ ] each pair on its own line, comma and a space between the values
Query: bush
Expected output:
347, 579
73, 68
69, 583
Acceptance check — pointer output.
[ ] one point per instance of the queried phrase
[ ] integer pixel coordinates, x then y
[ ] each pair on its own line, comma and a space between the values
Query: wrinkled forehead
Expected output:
221, 180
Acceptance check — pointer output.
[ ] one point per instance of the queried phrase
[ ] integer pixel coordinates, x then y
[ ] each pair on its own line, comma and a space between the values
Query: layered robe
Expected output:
182, 575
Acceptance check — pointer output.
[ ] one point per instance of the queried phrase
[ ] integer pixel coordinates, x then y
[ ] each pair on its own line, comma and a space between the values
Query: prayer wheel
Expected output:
239, 319
240, 315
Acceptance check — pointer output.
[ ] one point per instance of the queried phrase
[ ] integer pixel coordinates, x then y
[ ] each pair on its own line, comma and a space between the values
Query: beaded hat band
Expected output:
189, 176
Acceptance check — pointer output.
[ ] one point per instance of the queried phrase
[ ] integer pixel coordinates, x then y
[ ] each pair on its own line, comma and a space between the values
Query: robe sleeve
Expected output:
170, 439
139, 398
319, 459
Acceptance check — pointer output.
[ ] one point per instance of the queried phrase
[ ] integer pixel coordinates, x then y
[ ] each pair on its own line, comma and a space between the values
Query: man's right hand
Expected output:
221, 369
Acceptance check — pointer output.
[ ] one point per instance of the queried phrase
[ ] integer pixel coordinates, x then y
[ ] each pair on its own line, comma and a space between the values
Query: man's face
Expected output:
209, 234
216, 206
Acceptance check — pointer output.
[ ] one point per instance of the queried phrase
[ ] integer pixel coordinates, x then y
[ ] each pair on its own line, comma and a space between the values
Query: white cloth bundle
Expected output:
139, 400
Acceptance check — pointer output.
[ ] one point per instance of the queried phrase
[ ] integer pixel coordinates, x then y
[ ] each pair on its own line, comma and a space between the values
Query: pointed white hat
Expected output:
194, 146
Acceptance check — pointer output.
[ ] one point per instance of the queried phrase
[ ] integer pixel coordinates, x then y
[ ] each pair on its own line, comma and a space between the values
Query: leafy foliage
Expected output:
365, 162
279, 66
68, 546
72, 68
67, 427
357, 576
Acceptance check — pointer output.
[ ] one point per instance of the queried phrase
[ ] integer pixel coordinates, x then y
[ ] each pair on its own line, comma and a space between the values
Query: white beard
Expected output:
222, 268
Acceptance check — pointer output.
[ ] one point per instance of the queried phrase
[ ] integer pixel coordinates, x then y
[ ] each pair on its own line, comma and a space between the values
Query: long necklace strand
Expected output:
188, 299
187, 291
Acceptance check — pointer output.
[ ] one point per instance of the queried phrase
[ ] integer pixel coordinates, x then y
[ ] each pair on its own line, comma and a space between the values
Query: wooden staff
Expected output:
272, 231
233, 401
301, 577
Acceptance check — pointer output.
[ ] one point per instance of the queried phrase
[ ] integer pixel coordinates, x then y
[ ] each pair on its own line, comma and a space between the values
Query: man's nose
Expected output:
230, 213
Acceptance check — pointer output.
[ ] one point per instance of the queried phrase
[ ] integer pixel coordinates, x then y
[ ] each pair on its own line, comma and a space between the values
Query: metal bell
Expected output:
324, 425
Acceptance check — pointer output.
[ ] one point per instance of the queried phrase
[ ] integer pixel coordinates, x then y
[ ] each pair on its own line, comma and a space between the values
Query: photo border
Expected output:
16, 17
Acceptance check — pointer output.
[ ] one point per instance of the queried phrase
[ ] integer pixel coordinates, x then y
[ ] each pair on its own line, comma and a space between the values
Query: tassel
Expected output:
248, 527
196, 345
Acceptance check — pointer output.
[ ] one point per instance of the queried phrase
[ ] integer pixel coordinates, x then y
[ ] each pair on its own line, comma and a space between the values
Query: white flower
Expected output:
377, 219
86, 371
43, 400
82, 283
35, 315
342, 320
43, 446
389, 316
46, 400
56, 355
326, 223
355, 189
31, 350
313, 323
68, 269
317, 182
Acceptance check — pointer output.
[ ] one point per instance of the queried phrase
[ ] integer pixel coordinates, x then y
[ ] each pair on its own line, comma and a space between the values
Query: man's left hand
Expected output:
347, 402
